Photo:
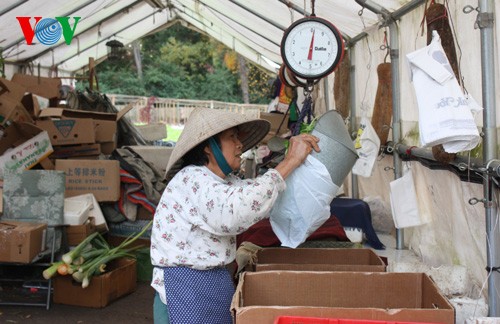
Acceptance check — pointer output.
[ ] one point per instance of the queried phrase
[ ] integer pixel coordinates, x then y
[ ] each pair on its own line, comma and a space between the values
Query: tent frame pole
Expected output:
485, 21
353, 125
390, 19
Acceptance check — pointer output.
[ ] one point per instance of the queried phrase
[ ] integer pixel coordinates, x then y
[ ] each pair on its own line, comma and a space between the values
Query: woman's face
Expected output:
231, 147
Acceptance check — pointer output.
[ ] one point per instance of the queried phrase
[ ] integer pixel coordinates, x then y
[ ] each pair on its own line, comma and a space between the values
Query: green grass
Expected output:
173, 133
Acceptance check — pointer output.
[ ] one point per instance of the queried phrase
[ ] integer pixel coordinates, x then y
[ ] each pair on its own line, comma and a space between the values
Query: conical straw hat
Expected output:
204, 123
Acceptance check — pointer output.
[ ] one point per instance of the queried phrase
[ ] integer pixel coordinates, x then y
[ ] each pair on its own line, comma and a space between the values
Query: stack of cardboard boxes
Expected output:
56, 138
305, 285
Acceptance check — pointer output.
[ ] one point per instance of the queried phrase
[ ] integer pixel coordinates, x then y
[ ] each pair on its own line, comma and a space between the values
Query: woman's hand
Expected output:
298, 150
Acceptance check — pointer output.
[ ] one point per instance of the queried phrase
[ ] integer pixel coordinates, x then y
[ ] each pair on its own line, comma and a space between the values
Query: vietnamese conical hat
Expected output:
204, 123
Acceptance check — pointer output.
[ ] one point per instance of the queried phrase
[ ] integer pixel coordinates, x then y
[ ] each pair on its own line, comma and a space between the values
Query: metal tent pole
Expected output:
396, 112
352, 124
485, 21
390, 20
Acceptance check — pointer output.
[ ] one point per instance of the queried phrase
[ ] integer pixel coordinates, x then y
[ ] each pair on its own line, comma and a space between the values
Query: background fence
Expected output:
154, 110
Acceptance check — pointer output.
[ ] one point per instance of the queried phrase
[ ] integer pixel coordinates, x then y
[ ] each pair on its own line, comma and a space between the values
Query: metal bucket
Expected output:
337, 148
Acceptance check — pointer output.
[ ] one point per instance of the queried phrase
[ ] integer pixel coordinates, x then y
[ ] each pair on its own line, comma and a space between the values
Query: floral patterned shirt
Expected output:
199, 215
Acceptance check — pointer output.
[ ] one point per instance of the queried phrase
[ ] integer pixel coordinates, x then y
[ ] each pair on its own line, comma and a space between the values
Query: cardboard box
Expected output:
11, 89
276, 120
108, 147
20, 241
13, 111
30, 102
99, 177
77, 233
42, 86
69, 151
262, 296
105, 124
68, 131
95, 211
317, 259
119, 280
22, 146
157, 156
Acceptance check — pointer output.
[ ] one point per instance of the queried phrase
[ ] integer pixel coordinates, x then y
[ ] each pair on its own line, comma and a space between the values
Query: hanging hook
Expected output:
475, 200
385, 46
312, 9
468, 9
462, 166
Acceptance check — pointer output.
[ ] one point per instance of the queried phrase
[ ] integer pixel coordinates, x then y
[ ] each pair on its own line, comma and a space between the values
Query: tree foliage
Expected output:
181, 63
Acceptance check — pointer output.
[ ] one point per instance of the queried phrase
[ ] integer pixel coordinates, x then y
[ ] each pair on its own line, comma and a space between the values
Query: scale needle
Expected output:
310, 55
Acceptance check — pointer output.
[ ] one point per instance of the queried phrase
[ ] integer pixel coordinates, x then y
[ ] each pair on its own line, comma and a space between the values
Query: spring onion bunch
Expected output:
305, 128
89, 258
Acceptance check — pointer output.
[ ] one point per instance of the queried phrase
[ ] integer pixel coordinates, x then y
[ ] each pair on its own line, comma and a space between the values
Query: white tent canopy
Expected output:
254, 29
455, 234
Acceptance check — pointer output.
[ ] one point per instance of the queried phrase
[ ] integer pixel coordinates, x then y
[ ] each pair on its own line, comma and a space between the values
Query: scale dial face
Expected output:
312, 48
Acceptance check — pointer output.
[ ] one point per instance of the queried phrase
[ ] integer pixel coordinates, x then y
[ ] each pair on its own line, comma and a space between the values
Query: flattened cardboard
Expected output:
317, 259
153, 132
99, 177
20, 241
413, 297
22, 146
42, 86
119, 280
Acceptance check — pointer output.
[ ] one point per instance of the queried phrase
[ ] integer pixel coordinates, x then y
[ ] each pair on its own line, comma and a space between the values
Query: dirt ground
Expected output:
136, 308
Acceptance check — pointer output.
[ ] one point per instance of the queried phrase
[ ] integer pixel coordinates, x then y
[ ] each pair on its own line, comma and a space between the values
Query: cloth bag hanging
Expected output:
404, 202
445, 113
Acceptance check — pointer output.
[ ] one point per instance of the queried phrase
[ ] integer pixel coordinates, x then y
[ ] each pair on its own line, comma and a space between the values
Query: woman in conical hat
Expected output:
205, 206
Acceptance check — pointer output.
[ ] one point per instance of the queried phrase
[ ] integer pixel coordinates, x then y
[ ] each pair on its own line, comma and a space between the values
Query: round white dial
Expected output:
312, 48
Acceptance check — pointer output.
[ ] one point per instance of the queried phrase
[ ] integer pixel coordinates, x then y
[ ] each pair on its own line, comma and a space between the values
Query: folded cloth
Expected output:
131, 195
356, 213
262, 234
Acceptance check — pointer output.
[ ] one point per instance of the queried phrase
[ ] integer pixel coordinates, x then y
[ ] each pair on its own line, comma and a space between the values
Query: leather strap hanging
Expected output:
382, 109
341, 86
436, 17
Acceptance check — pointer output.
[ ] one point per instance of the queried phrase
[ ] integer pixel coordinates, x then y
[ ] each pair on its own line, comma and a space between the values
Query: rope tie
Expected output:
497, 269
443, 16
408, 150
306, 111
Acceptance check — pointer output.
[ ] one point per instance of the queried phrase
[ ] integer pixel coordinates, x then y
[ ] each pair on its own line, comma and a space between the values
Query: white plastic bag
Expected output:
445, 115
304, 205
367, 145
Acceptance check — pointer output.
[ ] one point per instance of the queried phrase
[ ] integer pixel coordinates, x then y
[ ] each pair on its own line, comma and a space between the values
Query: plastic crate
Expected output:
317, 320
